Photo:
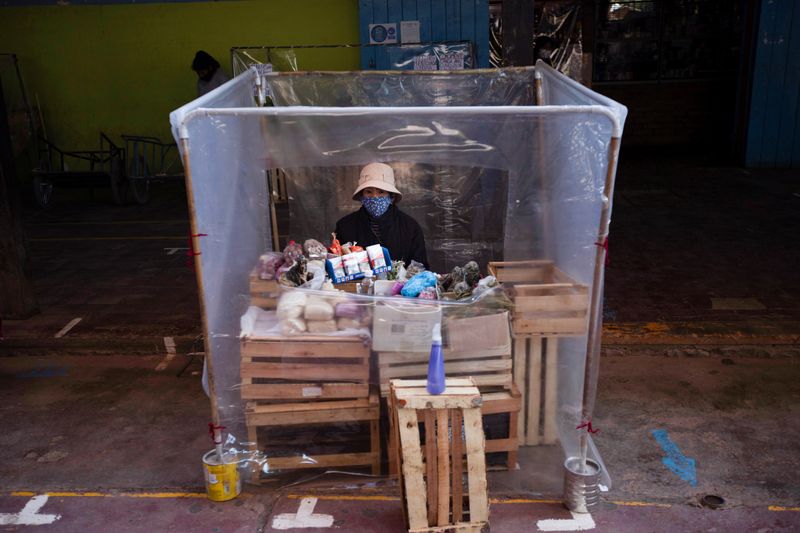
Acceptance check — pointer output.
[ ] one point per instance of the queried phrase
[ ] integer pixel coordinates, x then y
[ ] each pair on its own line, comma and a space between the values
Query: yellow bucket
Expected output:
222, 479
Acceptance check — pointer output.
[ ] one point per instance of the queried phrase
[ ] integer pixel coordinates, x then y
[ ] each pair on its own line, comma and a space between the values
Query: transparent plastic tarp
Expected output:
521, 189
418, 57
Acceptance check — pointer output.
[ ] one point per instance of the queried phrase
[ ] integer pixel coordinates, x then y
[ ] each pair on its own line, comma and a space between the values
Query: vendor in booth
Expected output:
379, 221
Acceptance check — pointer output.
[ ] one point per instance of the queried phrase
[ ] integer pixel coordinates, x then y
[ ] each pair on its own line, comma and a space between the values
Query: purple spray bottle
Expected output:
436, 383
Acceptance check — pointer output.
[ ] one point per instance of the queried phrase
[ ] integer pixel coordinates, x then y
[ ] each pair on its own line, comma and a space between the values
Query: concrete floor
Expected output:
701, 347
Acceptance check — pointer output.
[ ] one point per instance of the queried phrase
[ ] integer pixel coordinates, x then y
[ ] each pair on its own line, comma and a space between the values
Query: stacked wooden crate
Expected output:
490, 366
314, 382
438, 494
548, 304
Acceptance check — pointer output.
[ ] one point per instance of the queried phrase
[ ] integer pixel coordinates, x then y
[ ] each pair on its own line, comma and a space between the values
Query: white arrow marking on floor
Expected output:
173, 250
29, 516
71, 324
169, 344
578, 522
304, 517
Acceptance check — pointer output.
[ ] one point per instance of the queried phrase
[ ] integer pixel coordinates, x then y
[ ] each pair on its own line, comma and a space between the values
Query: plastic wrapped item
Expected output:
418, 283
489, 176
292, 252
268, 265
315, 249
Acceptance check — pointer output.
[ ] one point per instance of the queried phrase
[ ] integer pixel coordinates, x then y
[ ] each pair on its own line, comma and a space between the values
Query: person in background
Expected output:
209, 74
379, 221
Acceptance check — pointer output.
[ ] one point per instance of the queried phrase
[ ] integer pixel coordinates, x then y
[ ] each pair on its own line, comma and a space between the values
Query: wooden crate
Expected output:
264, 293
318, 414
490, 368
432, 484
546, 300
310, 381
492, 372
536, 377
304, 368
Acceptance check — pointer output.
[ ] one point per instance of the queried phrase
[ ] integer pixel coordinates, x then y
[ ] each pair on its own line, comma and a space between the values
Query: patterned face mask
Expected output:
376, 206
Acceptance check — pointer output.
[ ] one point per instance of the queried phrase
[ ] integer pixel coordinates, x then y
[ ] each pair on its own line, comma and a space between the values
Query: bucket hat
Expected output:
380, 176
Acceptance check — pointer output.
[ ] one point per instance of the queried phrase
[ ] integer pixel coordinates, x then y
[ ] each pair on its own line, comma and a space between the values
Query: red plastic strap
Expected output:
212, 430
588, 426
604, 245
191, 252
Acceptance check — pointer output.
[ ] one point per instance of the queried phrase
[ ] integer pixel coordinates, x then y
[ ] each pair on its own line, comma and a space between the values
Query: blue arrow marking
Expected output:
44, 372
679, 464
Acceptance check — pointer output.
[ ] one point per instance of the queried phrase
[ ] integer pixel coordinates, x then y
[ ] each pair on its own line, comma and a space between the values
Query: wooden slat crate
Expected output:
487, 368
317, 414
491, 367
263, 292
432, 484
499, 392
536, 376
309, 381
546, 300
304, 368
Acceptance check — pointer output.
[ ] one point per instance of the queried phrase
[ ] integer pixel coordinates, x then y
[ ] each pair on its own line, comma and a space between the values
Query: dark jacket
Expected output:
399, 233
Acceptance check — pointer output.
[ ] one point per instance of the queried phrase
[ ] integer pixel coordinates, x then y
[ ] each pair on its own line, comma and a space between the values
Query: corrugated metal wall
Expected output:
440, 20
773, 135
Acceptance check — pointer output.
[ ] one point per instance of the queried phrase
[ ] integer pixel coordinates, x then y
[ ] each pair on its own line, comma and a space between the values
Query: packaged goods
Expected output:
291, 305
338, 266
268, 265
318, 327
293, 326
318, 309
376, 258
351, 264
335, 247
363, 261
415, 285
404, 327
314, 249
348, 310
428, 293
292, 252
397, 287
383, 287
348, 323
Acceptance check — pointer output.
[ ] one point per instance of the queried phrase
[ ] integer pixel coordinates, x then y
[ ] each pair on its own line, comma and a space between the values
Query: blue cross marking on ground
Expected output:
679, 464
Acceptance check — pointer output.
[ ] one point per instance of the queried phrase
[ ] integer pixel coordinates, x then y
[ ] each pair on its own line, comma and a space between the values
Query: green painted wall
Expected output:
123, 68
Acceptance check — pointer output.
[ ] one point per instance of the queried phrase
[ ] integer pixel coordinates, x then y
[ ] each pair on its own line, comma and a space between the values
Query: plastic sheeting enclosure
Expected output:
510, 166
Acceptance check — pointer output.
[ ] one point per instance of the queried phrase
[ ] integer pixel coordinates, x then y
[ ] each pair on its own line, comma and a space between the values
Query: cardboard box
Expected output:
404, 327
487, 333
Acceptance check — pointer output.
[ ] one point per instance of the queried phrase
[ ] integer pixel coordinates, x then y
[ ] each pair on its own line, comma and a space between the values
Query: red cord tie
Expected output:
604, 246
191, 252
212, 430
588, 426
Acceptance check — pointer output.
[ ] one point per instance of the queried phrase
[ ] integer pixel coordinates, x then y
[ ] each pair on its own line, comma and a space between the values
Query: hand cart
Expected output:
84, 168
150, 159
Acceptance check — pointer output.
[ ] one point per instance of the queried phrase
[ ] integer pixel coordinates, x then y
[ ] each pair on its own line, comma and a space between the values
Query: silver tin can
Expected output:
581, 487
